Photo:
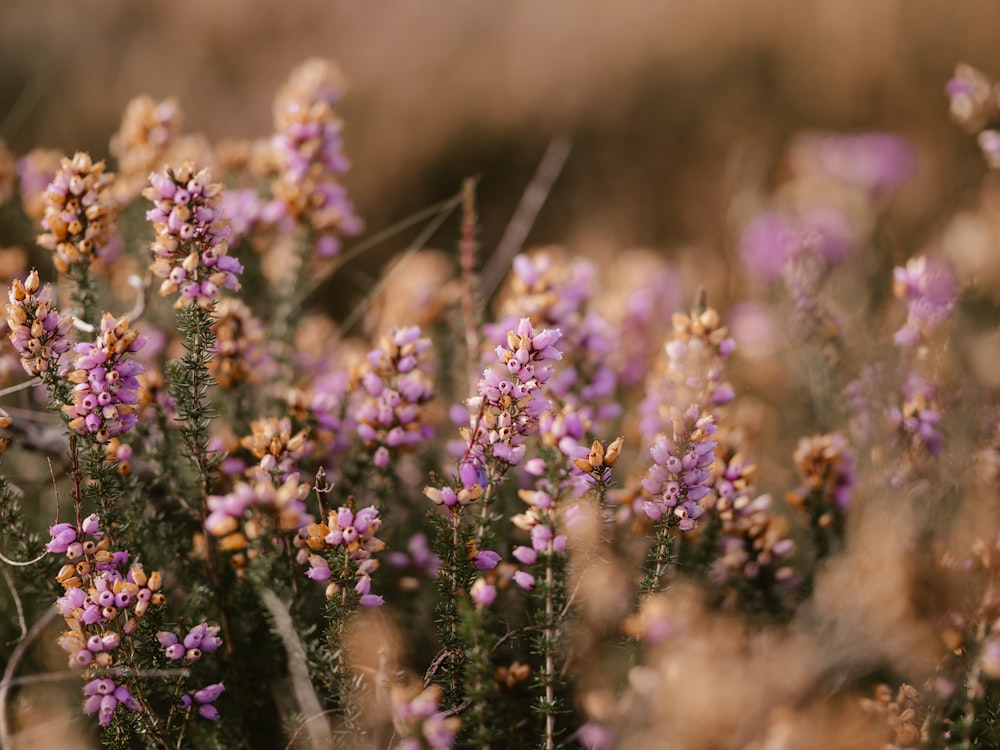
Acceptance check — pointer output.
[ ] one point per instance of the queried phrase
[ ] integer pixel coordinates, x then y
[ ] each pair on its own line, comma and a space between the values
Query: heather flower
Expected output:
79, 213
510, 402
418, 556
419, 720
35, 171
483, 593
872, 160
774, 239
694, 371
103, 601
201, 639
204, 700
308, 150
147, 131
37, 331
347, 537
557, 295
241, 345
244, 514
755, 546
989, 144
396, 386
680, 479
354, 531
106, 385
973, 98
826, 465
917, 421
103, 697
276, 449
190, 252
928, 288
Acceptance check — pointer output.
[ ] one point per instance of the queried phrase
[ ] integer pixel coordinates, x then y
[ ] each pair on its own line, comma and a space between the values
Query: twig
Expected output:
373, 241
298, 671
17, 601
19, 111
11, 668
21, 563
20, 387
467, 258
141, 287
535, 195
417, 245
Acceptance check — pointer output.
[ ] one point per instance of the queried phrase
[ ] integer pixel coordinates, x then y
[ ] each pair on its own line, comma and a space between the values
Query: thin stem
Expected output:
467, 258
373, 241
8, 673
549, 635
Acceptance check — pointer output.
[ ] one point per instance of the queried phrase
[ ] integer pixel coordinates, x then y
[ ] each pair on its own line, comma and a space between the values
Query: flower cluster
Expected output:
79, 213
200, 640
190, 252
541, 521
755, 546
103, 602
35, 170
680, 479
396, 386
309, 152
928, 288
276, 449
421, 722
773, 241
826, 465
251, 509
240, 344
917, 421
37, 331
694, 371
347, 541
902, 713
554, 294
510, 402
204, 699
974, 100
106, 387
147, 130
103, 696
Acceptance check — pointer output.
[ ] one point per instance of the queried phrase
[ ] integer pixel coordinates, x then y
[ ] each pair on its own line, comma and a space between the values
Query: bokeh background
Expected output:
671, 106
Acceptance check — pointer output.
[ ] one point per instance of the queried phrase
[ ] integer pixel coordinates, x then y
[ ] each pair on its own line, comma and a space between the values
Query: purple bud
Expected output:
525, 555
525, 580
486, 560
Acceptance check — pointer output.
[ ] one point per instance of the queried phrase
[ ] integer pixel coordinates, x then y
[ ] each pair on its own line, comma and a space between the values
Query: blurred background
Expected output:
671, 106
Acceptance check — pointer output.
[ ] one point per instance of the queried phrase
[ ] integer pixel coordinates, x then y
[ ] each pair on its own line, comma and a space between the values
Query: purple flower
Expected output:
928, 287
525, 580
79, 212
773, 239
679, 477
191, 245
872, 160
107, 386
483, 593
397, 385
39, 334
309, 151
486, 560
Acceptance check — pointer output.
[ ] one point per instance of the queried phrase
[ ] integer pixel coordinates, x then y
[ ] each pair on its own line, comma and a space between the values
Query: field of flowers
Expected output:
508, 496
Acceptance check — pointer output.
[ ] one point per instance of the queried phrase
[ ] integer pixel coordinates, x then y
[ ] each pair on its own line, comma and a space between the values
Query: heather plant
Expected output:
579, 512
